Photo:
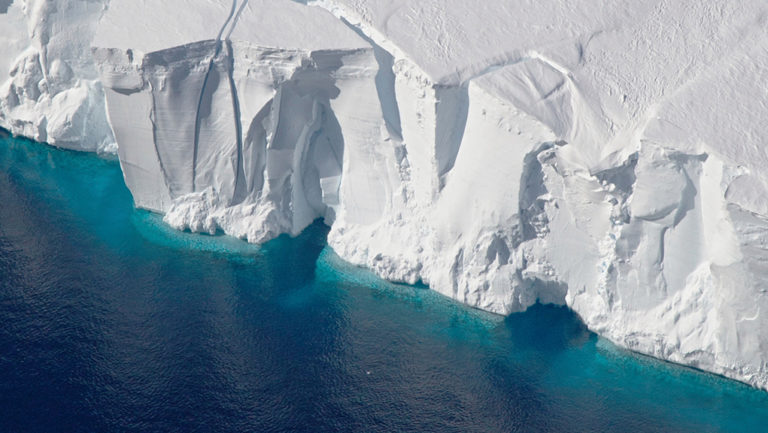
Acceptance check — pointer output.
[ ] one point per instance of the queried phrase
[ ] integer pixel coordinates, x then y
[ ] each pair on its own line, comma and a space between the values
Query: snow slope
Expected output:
608, 158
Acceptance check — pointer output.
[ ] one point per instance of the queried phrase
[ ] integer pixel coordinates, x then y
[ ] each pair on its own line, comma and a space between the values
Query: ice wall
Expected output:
502, 153
49, 87
607, 160
240, 128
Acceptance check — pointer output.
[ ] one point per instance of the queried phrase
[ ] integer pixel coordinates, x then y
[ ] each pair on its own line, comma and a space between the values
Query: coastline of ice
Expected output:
502, 154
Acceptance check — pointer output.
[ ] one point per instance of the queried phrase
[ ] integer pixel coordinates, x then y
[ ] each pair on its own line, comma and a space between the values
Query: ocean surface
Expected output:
110, 321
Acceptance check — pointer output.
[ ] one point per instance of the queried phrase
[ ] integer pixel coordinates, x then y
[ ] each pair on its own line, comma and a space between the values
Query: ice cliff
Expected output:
605, 157
49, 86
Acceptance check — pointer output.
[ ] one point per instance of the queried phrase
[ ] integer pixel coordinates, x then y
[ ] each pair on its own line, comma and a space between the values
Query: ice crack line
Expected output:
233, 17
226, 22
236, 18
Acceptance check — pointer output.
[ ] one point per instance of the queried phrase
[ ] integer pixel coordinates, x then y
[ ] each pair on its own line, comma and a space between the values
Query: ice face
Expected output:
233, 135
593, 167
504, 154
49, 87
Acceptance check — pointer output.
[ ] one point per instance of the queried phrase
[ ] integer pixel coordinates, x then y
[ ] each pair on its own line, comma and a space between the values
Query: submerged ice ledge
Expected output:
609, 161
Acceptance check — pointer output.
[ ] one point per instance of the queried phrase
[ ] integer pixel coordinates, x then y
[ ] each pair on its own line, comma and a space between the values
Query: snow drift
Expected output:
504, 154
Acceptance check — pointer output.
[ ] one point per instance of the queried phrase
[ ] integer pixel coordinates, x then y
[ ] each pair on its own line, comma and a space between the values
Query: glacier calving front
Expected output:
611, 159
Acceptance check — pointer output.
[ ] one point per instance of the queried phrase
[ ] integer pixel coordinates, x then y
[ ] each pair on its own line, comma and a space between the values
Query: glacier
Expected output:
605, 158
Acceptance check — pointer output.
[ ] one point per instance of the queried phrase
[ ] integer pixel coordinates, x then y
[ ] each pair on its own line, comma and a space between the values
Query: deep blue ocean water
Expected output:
111, 321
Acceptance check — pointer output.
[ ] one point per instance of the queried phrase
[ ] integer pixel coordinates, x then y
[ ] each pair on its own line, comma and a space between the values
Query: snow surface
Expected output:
608, 158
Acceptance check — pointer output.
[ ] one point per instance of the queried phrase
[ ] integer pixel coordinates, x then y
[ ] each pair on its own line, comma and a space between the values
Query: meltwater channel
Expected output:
111, 321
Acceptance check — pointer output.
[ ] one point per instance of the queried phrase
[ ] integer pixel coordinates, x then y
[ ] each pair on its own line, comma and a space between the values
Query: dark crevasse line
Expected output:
240, 190
196, 140
226, 22
154, 142
211, 65
236, 19
197, 118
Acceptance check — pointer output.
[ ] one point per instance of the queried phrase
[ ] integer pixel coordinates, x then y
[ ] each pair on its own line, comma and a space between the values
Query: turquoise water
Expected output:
111, 321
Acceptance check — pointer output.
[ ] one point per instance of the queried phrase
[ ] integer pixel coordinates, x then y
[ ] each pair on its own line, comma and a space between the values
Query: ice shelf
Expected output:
608, 158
